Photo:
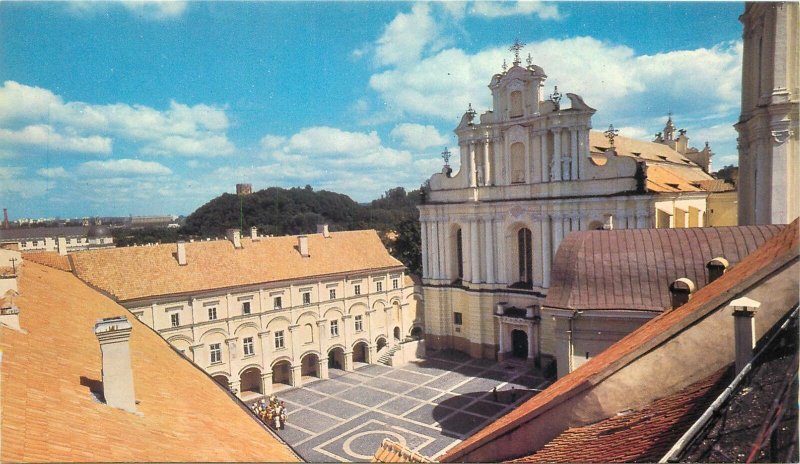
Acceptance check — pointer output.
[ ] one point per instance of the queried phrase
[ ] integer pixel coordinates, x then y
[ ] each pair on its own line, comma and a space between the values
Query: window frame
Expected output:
248, 346
247, 308
279, 340
379, 286
332, 294
458, 318
306, 296
357, 289
212, 313
395, 284
358, 323
334, 328
215, 351
277, 302
175, 319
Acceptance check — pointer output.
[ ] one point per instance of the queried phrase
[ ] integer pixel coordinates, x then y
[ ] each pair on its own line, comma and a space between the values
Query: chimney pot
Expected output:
609, 222
181, 253
254, 233
114, 334
716, 267
302, 245
680, 291
323, 229
235, 236
61, 243
744, 333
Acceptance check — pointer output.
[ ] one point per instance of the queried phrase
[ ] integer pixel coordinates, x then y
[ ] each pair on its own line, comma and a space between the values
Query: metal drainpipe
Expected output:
575, 314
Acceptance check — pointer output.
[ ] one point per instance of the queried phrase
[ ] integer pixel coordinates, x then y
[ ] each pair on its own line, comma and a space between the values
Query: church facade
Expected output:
532, 171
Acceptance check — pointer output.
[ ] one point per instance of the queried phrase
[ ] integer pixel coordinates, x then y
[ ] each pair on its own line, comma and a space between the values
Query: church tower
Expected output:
768, 125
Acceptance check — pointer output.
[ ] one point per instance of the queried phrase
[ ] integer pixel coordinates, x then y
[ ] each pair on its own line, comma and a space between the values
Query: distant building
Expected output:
769, 125
532, 170
244, 189
258, 311
150, 221
61, 239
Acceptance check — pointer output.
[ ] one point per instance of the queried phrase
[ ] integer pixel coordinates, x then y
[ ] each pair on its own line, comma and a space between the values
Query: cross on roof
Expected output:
611, 133
516, 48
446, 155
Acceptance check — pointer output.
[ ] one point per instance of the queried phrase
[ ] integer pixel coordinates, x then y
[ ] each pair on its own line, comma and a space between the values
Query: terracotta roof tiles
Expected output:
778, 250
146, 271
50, 414
391, 451
49, 258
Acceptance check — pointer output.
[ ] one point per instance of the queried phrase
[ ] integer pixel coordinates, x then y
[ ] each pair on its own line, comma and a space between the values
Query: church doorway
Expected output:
519, 344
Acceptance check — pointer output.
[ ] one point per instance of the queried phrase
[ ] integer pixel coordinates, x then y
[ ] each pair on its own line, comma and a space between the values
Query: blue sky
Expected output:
150, 108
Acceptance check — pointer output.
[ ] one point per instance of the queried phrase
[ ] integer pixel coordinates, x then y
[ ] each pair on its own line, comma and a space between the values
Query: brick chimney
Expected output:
744, 332
61, 244
302, 246
323, 229
235, 236
181, 253
114, 335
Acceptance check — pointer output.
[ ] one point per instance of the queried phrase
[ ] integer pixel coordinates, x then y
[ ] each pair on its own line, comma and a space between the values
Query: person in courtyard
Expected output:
513, 395
494, 394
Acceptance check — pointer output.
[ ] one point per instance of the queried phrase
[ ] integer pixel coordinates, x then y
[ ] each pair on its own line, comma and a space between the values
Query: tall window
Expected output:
279, 343
334, 328
517, 163
379, 286
457, 319
357, 289
277, 302
525, 255
249, 348
359, 323
212, 313
306, 298
395, 284
246, 307
460, 253
216, 353
332, 293
175, 319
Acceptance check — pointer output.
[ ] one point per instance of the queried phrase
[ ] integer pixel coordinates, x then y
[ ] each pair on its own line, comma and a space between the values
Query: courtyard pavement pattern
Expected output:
429, 406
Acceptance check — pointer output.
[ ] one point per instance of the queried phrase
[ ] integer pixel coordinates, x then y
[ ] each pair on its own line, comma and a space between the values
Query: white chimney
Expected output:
744, 332
254, 233
235, 236
302, 245
323, 229
181, 253
114, 335
61, 243
609, 222
500, 308
716, 267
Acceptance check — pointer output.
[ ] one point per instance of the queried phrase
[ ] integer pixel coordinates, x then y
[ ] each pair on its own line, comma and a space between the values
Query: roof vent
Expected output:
681, 290
302, 245
744, 333
114, 335
235, 236
323, 229
716, 267
180, 253
254, 233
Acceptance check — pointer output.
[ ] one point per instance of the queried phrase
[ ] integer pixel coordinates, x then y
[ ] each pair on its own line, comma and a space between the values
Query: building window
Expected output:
379, 286
518, 163
175, 319
395, 284
359, 323
332, 293
306, 298
457, 319
212, 313
246, 307
357, 289
277, 302
279, 339
460, 254
334, 328
525, 256
249, 349
216, 353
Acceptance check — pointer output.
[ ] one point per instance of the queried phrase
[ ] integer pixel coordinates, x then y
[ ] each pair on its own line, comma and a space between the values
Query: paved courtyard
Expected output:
429, 406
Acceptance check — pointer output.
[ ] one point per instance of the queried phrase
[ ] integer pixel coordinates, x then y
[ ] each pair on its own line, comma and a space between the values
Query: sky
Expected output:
113, 109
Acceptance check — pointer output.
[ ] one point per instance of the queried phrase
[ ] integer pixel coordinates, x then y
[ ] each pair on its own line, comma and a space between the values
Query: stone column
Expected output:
323, 348
440, 236
447, 254
544, 175
434, 258
536, 246
546, 251
235, 385
558, 233
474, 251
557, 154
232, 355
266, 359
371, 342
489, 239
573, 135
473, 172
197, 354
487, 170
500, 340
642, 219
500, 241
297, 376
348, 342
266, 382
531, 342
387, 312
426, 270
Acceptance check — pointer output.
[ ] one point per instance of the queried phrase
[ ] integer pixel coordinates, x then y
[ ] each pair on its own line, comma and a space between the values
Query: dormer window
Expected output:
662, 157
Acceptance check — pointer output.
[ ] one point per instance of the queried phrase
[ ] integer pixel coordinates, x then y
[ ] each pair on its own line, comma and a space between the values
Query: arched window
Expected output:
517, 163
459, 254
516, 104
525, 256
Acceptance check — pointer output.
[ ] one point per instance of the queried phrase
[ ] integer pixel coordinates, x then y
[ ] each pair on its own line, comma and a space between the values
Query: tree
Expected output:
408, 246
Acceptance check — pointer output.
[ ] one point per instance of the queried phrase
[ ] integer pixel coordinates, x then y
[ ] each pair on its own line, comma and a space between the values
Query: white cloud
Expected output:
44, 136
521, 8
198, 130
417, 136
53, 173
640, 133
323, 139
123, 167
405, 38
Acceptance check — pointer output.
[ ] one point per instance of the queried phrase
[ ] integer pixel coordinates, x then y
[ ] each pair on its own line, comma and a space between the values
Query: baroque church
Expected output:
531, 171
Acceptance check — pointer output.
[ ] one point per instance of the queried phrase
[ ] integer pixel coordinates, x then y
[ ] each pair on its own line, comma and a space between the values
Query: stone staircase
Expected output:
387, 353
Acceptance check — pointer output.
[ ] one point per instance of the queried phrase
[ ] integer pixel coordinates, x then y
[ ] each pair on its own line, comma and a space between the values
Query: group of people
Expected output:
273, 413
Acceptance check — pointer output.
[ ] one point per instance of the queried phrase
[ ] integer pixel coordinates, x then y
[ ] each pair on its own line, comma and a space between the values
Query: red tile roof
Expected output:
779, 250
49, 371
391, 451
632, 269
49, 258
638, 436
